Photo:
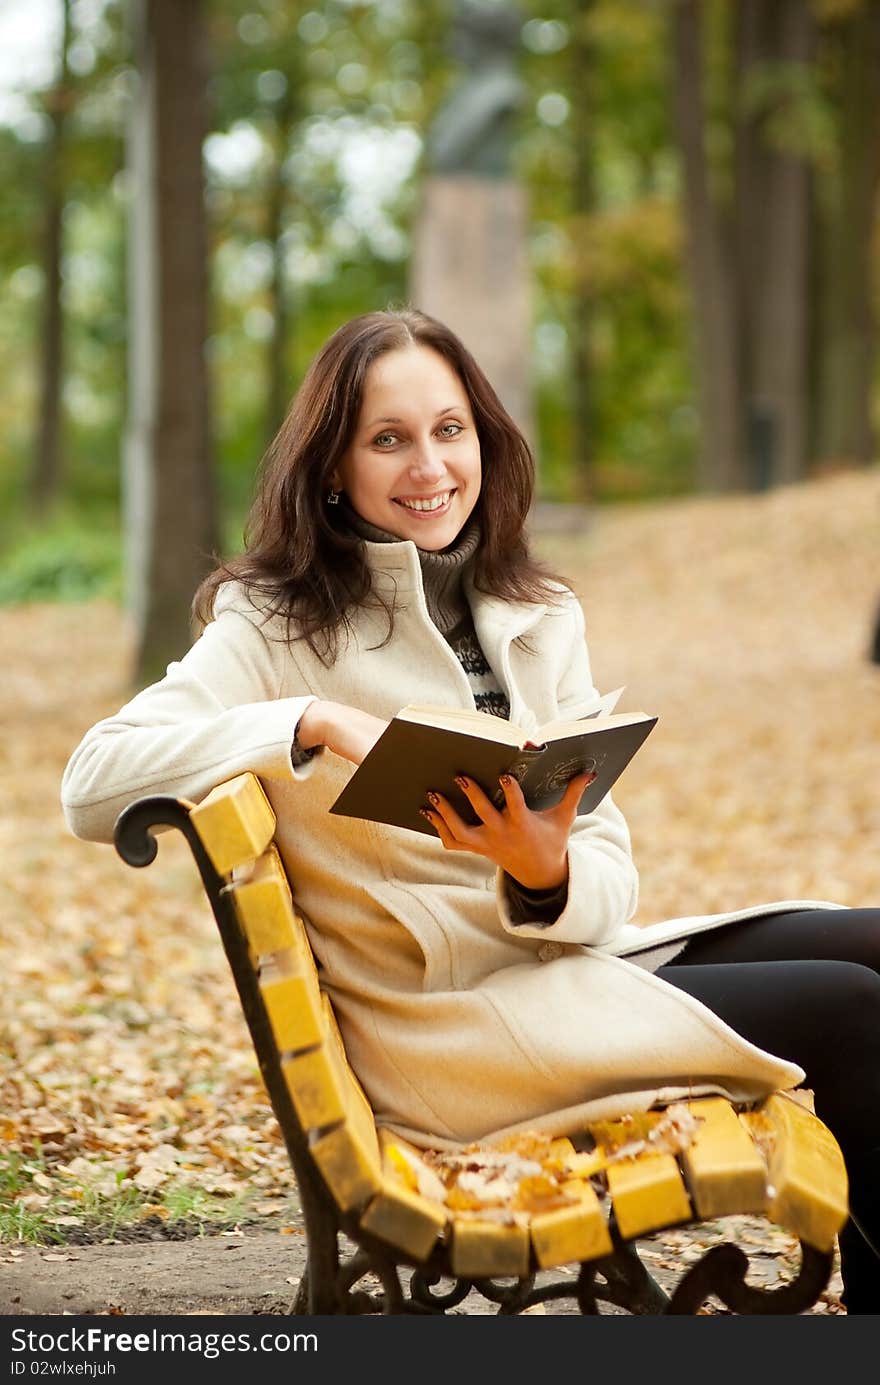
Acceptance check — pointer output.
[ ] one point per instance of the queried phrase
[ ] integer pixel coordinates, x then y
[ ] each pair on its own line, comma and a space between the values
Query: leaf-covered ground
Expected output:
125, 1067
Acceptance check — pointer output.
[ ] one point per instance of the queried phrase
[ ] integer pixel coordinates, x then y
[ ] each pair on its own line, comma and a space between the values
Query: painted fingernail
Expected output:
461, 780
425, 814
505, 779
433, 798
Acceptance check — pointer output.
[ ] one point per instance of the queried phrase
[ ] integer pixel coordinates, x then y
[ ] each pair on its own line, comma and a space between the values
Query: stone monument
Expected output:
470, 264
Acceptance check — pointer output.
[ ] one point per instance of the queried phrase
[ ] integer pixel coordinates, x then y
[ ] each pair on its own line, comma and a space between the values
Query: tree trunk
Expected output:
279, 383
772, 220
847, 338
169, 493
46, 472
582, 60
709, 260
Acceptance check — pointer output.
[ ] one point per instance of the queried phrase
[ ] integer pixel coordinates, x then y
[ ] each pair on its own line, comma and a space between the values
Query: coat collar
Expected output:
498, 620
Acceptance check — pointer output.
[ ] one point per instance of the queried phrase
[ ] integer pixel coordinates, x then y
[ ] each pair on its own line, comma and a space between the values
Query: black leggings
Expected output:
806, 986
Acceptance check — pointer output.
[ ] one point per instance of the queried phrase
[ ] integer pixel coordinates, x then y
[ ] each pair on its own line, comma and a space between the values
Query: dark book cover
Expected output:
409, 758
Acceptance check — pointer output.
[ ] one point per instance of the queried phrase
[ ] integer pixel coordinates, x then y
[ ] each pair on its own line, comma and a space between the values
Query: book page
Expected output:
558, 730
464, 719
607, 702
506, 732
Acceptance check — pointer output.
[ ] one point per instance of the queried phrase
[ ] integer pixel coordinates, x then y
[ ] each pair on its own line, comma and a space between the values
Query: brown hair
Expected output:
298, 552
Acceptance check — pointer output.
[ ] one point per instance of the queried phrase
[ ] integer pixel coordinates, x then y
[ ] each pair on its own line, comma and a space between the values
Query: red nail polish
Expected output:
461, 780
433, 798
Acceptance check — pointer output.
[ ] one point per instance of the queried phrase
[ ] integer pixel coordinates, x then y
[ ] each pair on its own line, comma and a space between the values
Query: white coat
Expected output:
461, 1024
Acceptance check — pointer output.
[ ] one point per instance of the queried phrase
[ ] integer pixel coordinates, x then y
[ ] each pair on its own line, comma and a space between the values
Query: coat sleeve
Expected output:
215, 714
603, 884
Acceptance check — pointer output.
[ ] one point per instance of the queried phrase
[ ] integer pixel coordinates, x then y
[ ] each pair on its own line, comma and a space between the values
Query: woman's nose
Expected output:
428, 463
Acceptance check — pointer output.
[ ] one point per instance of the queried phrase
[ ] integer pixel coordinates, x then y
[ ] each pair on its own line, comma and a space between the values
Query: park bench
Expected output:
390, 1229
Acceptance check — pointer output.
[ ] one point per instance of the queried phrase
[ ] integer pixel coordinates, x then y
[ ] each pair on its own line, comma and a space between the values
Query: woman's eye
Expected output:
455, 427
385, 440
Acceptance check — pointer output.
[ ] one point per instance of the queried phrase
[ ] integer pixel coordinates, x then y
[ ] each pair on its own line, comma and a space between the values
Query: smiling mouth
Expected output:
427, 505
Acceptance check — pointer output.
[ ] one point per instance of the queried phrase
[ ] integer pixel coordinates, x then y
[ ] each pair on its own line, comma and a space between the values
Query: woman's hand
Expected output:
532, 847
347, 731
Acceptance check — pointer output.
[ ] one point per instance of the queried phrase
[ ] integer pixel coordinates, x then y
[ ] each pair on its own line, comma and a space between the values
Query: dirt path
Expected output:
256, 1272
229, 1274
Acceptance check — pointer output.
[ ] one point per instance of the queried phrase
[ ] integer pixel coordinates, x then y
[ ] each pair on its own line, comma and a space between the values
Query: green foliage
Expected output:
63, 559
317, 113
608, 247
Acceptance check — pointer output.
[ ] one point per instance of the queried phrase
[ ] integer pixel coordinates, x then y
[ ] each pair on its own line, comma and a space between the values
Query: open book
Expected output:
425, 747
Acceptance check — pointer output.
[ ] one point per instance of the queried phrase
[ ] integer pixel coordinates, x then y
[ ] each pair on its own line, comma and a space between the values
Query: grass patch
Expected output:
23, 1227
36, 1209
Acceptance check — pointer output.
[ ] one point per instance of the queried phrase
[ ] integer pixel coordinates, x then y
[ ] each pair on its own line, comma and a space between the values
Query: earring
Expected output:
333, 497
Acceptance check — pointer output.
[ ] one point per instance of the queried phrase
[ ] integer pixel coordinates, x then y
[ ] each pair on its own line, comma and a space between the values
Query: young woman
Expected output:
473, 971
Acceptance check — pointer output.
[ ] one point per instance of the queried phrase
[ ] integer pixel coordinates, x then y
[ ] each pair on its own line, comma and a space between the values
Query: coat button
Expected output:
548, 952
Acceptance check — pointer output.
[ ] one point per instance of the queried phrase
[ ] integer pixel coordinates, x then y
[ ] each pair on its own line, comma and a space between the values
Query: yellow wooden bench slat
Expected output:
265, 909
348, 1155
235, 822
404, 1219
808, 1183
347, 1073
723, 1168
400, 1214
288, 975
347, 1161
574, 1233
321, 1081
315, 1087
293, 1003
483, 1249
647, 1193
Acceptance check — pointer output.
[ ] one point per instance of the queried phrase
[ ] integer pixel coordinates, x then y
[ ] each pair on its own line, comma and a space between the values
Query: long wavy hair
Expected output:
300, 560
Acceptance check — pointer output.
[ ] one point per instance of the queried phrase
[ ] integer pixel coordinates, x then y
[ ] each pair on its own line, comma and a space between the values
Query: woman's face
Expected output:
413, 465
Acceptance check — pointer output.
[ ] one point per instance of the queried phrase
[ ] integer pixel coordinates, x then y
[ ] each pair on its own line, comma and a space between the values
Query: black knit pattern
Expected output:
487, 693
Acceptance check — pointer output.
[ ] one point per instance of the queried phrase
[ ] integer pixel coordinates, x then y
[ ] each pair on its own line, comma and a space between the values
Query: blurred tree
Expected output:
171, 527
773, 74
611, 370
747, 233
46, 470
779, 132
709, 259
584, 113
259, 80
62, 305
846, 215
